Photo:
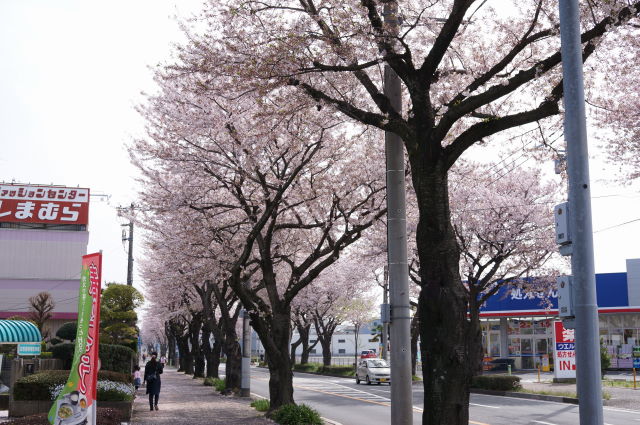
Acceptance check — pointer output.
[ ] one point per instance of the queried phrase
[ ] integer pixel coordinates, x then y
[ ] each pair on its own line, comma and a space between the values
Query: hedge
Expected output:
116, 358
38, 386
496, 382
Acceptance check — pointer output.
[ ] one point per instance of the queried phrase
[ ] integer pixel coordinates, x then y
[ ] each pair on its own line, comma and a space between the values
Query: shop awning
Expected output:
17, 331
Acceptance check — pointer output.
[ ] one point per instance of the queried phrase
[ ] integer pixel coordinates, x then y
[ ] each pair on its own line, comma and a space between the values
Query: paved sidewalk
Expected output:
185, 401
626, 398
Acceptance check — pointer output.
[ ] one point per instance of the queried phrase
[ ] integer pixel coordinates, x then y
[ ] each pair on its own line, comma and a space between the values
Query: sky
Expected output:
71, 73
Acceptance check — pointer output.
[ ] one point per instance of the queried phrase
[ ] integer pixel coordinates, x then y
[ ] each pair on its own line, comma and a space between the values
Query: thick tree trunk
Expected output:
294, 347
304, 339
233, 367
442, 305
213, 360
276, 336
196, 350
326, 351
186, 359
476, 352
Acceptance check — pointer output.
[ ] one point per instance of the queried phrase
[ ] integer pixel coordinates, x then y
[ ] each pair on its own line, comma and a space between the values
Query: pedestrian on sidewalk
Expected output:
152, 371
137, 379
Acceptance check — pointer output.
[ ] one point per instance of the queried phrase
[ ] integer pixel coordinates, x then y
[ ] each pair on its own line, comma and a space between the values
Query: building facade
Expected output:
519, 325
43, 236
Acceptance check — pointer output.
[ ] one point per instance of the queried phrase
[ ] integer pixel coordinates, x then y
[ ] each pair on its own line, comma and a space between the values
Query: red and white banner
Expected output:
565, 351
44, 204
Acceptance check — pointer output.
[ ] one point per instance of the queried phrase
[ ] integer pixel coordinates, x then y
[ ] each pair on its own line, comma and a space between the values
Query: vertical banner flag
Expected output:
76, 403
565, 351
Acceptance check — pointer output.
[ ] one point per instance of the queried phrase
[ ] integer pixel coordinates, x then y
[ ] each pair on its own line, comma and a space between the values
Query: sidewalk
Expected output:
185, 401
625, 398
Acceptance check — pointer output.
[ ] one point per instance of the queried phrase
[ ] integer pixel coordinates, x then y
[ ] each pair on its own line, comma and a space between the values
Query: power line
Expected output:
617, 225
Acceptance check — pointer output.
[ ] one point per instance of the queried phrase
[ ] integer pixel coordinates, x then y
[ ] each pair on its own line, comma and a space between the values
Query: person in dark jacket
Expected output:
152, 371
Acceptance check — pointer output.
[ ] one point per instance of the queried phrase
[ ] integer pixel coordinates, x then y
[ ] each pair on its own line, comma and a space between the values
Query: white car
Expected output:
373, 370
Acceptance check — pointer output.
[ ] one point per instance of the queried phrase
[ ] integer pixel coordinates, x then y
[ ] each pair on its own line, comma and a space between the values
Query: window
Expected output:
313, 351
342, 341
342, 351
311, 341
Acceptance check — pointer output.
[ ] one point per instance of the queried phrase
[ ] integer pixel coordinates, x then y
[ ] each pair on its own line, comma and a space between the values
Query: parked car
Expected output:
373, 370
368, 354
501, 364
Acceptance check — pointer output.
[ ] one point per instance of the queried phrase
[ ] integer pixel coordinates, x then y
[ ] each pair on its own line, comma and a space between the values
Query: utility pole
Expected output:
385, 319
401, 399
589, 383
245, 373
130, 239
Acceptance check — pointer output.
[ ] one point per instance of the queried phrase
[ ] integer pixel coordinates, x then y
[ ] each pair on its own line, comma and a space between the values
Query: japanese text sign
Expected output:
43, 204
565, 351
76, 402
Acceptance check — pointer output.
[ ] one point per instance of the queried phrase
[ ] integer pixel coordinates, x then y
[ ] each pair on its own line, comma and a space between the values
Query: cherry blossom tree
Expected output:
463, 90
471, 75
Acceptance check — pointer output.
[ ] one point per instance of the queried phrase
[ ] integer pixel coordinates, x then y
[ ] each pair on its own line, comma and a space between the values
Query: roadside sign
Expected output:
29, 349
565, 351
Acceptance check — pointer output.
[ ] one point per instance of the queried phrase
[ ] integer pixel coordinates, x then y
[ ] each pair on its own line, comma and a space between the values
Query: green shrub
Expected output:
496, 382
46, 355
261, 405
292, 414
113, 357
338, 370
38, 386
209, 382
219, 384
67, 331
307, 367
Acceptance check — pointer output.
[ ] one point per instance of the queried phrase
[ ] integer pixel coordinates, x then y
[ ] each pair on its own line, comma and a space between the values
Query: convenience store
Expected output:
519, 325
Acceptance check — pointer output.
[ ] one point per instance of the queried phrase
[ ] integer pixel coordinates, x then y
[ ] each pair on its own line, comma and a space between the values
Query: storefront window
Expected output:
514, 346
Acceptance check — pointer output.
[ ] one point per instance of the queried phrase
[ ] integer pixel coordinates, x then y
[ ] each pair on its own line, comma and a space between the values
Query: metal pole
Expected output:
245, 384
385, 325
401, 399
130, 255
589, 383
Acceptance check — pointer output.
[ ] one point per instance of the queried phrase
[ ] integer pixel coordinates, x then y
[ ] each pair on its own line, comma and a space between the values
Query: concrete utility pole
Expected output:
585, 303
128, 238
401, 399
245, 378
385, 324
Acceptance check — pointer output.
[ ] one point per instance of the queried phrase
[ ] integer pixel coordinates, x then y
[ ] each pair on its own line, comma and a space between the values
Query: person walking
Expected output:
152, 371
137, 379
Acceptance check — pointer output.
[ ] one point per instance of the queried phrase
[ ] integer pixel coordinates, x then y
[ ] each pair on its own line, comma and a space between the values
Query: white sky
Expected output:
71, 72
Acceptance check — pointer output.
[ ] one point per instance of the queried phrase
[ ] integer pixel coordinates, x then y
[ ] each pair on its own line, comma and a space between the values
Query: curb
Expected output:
557, 399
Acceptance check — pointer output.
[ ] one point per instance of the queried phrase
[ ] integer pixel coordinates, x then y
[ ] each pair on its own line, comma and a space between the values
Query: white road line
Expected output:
484, 405
545, 423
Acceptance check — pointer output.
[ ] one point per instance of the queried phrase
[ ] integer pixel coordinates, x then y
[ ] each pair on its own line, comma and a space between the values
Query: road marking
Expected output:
545, 423
484, 405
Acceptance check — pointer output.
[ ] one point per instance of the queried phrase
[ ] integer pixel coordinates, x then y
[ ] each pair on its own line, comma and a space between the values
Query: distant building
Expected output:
43, 236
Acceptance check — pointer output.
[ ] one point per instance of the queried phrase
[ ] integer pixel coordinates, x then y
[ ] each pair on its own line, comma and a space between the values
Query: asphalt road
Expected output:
344, 402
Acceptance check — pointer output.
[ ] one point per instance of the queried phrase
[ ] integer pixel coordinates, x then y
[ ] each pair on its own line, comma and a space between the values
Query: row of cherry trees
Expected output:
262, 164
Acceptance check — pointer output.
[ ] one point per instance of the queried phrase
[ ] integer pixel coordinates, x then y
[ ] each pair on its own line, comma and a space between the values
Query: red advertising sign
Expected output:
43, 204
565, 351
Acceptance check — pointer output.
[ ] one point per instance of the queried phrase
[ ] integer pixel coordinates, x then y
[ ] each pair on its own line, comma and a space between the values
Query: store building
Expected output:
519, 325
43, 236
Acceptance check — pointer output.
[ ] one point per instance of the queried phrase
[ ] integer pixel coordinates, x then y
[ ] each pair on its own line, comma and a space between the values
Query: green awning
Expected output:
16, 331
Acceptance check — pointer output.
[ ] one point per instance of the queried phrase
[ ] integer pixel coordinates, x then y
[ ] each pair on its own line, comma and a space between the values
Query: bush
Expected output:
113, 357
307, 367
261, 405
68, 331
292, 414
46, 355
496, 382
337, 370
209, 382
219, 384
39, 385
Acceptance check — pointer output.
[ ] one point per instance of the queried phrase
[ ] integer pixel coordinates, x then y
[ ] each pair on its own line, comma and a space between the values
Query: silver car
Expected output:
373, 370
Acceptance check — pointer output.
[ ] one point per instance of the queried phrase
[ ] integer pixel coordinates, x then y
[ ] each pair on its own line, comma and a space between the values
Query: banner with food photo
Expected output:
76, 403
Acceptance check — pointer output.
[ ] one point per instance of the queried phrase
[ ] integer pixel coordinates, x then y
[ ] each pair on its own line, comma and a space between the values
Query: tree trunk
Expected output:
196, 350
442, 305
476, 352
415, 332
233, 367
294, 347
326, 351
275, 335
213, 360
306, 348
186, 359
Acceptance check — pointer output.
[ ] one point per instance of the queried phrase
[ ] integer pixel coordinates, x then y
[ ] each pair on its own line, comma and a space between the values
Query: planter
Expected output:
19, 408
